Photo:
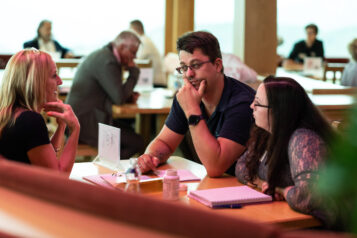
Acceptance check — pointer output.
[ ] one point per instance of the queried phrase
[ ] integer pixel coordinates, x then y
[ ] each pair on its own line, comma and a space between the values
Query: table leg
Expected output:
143, 127
160, 121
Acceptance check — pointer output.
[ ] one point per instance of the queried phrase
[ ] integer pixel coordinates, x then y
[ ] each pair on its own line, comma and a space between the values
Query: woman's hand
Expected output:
63, 114
257, 183
59, 121
278, 194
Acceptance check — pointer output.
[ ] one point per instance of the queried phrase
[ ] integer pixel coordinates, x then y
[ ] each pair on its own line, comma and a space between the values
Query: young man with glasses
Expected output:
310, 47
212, 107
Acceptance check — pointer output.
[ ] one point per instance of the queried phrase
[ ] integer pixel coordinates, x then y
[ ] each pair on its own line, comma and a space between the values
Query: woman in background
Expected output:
45, 42
29, 85
288, 144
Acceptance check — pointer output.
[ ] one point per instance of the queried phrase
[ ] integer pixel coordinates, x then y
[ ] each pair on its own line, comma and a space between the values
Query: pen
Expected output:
227, 206
156, 172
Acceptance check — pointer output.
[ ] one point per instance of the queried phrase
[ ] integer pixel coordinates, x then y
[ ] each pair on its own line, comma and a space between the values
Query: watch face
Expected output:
194, 119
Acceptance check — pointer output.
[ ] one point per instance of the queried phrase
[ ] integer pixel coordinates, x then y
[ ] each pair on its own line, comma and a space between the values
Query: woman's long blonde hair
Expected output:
24, 84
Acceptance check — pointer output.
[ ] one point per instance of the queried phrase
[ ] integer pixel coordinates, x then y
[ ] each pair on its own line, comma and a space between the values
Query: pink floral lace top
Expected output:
306, 154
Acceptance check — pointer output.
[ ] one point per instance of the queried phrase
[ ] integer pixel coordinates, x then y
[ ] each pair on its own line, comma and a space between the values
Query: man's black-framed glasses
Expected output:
184, 68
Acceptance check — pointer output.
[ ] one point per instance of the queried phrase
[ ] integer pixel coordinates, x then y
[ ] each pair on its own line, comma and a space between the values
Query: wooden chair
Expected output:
334, 65
336, 124
3, 60
86, 150
346, 91
85, 153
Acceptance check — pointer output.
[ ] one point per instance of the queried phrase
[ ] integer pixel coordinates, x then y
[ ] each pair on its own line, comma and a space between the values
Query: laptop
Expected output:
312, 66
109, 147
145, 80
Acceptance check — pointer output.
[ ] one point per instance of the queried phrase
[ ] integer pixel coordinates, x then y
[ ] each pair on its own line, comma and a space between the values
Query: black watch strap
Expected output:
194, 119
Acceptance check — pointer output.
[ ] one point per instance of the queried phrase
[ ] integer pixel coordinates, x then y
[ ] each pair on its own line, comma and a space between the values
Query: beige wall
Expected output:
260, 35
179, 19
255, 34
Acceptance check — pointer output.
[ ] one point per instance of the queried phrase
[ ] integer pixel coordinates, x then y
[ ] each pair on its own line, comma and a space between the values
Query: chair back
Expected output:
334, 65
345, 91
3, 60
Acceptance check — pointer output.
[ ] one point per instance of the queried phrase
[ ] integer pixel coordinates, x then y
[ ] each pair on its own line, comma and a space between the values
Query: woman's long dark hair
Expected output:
290, 109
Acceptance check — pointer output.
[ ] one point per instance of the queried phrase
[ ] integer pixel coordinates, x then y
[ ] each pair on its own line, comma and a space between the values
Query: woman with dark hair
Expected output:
287, 146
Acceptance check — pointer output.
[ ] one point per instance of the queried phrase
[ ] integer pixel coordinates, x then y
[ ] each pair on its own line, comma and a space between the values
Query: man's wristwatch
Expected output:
194, 119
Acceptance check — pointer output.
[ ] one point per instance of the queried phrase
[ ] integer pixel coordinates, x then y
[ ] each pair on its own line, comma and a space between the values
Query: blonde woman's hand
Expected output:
63, 114
59, 121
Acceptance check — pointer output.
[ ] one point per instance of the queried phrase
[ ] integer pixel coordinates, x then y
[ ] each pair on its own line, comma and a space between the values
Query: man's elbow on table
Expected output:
215, 172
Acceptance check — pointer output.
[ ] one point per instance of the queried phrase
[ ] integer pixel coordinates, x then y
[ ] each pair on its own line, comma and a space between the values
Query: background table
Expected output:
156, 102
335, 107
310, 84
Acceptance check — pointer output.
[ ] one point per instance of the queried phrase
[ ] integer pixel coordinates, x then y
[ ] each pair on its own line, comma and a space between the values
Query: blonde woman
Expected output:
29, 85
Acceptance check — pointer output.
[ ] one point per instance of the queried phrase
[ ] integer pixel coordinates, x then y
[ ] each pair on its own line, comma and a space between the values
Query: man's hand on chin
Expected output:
190, 98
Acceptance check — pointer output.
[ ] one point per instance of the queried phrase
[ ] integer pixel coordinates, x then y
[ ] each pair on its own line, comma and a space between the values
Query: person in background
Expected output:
98, 84
214, 109
44, 41
29, 85
287, 146
310, 47
148, 50
235, 68
349, 76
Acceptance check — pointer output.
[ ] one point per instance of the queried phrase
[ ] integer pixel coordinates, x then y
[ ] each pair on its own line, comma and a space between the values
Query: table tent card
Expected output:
109, 147
146, 79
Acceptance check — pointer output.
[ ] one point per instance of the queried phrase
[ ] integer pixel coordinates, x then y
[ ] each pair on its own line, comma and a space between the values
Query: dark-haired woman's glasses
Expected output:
184, 68
261, 105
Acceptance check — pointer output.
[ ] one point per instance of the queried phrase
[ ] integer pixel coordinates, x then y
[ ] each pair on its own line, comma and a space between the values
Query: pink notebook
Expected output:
217, 197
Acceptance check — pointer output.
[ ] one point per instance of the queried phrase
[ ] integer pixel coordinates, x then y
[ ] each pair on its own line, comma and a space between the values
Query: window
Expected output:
80, 25
216, 18
336, 25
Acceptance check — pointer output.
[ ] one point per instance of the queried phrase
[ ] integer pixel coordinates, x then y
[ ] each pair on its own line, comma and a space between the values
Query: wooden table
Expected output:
310, 85
335, 107
67, 63
278, 212
335, 101
154, 102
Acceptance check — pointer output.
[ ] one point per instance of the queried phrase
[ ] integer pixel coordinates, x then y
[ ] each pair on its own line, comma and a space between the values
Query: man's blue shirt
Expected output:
232, 118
